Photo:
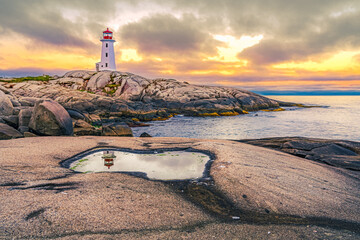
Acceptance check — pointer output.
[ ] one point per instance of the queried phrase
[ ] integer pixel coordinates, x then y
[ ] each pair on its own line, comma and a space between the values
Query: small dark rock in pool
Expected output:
145, 134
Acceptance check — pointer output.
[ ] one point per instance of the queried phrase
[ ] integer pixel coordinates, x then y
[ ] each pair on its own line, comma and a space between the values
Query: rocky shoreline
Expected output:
95, 100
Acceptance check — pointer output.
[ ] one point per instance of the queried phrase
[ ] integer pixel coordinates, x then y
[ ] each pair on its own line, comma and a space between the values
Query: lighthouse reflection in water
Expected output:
108, 157
161, 165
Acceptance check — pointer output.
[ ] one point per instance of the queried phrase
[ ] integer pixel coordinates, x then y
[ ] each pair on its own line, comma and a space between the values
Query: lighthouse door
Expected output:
97, 67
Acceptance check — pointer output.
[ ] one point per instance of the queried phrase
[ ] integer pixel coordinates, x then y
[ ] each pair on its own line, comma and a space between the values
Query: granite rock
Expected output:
118, 129
6, 107
7, 132
50, 118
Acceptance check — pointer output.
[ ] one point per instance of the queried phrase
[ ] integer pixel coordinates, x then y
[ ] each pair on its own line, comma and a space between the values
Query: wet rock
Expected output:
333, 149
145, 134
7, 132
25, 116
116, 129
50, 118
6, 107
338, 153
303, 145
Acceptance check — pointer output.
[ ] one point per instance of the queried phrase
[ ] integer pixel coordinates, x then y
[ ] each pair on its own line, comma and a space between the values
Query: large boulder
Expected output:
7, 132
118, 129
50, 118
6, 107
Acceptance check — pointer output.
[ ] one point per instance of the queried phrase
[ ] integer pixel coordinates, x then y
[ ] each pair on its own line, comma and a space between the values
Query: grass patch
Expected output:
44, 78
112, 85
96, 125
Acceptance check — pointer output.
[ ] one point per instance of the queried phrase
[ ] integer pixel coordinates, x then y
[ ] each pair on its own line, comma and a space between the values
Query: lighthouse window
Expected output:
105, 64
106, 54
106, 45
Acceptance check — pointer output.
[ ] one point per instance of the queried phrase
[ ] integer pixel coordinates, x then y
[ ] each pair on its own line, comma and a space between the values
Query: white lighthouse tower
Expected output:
107, 52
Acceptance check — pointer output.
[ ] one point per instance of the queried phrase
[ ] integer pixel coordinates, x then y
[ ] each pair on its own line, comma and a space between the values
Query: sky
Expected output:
260, 45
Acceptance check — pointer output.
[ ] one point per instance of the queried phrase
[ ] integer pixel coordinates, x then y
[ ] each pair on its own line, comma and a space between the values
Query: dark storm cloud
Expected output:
164, 33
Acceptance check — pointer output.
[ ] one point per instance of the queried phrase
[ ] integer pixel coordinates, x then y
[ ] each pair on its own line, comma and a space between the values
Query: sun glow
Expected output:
128, 55
233, 47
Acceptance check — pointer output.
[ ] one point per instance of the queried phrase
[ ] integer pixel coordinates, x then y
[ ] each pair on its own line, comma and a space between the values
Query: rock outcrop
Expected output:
51, 119
125, 94
103, 97
337, 153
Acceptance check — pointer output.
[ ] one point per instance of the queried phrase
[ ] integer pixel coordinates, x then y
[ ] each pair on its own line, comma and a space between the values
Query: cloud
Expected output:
44, 21
165, 34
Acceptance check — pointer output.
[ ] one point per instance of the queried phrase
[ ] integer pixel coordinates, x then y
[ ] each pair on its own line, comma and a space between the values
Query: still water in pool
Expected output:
168, 165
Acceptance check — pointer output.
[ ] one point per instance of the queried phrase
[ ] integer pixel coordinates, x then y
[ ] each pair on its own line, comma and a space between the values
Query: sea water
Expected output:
339, 118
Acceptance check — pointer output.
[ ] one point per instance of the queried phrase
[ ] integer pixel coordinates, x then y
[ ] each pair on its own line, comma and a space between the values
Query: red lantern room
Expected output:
107, 34
108, 157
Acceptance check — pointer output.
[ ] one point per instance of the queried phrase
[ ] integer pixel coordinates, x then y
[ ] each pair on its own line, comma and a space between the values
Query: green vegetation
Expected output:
83, 160
110, 92
44, 78
113, 87
96, 125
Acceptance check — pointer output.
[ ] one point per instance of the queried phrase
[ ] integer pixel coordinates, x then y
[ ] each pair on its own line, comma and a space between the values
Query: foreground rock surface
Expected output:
40, 199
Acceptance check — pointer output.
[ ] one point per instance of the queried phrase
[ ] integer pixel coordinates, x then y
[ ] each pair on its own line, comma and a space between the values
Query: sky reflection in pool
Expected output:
168, 165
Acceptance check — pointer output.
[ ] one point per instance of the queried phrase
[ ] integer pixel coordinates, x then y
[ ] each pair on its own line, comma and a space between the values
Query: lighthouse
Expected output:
107, 52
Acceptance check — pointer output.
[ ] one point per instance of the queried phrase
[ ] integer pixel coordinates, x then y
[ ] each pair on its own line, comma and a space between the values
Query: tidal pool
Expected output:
164, 165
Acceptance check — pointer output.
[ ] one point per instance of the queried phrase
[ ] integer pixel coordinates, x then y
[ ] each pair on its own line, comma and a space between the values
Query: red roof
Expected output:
107, 31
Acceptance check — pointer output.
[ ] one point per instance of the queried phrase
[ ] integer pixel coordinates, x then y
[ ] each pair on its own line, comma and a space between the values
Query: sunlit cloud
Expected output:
233, 47
128, 55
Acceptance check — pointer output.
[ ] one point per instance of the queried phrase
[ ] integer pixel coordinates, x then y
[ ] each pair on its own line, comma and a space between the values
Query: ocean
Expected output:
339, 118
